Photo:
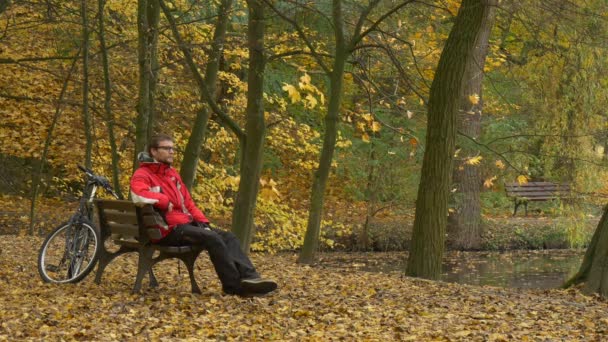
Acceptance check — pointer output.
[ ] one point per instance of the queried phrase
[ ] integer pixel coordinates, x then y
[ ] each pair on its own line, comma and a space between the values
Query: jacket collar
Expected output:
149, 163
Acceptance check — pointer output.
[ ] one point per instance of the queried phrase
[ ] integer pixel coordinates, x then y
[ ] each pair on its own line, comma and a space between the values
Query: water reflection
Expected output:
521, 269
518, 269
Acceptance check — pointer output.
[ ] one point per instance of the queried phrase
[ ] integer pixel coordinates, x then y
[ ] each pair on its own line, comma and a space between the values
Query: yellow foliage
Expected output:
474, 160
474, 99
293, 93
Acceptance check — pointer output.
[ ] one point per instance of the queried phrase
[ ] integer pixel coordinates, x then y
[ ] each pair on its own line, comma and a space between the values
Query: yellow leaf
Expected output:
365, 137
474, 99
474, 160
500, 164
376, 126
522, 179
367, 117
488, 183
292, 92
305, 79
311, 101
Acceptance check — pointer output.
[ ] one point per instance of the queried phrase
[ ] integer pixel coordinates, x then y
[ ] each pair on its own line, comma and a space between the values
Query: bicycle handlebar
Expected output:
100, 180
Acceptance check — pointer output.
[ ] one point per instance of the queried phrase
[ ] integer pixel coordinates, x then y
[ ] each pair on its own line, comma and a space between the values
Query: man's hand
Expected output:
170, 207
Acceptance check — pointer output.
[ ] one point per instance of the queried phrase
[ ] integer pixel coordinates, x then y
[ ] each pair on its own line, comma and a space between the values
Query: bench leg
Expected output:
189, 260
153, 281
105, 258
516, 206
101, 266
144, 265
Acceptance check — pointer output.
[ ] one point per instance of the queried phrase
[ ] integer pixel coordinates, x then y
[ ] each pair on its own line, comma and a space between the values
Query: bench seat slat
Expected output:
121, 216
131, 230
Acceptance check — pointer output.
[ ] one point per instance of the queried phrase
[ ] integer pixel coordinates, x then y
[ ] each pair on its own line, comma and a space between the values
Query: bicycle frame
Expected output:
79, 241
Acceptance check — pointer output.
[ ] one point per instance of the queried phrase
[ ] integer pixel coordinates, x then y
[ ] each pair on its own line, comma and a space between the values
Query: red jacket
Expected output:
159, 184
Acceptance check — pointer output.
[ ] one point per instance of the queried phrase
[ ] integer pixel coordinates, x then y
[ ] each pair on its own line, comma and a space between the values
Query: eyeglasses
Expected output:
166, 148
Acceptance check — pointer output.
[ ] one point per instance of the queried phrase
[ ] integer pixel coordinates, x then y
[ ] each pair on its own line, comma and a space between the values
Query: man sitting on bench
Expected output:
156, 182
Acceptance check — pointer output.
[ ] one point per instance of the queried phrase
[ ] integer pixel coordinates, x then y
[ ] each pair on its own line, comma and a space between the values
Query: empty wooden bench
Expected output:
131, 227
536, 191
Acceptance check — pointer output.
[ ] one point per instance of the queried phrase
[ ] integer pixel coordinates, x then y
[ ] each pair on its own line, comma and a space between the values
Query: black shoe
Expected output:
258, 286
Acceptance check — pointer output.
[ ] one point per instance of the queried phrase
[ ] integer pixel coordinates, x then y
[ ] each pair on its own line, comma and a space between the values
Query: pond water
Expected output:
517, 269
531, 270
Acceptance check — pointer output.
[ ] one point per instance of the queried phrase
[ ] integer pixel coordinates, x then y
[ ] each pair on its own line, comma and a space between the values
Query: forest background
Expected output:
85, 82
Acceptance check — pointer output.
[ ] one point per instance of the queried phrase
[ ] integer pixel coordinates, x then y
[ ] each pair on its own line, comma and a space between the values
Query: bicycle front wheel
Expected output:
69, 253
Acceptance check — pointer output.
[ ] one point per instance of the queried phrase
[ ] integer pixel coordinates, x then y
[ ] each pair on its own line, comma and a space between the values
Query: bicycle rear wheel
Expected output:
69, 253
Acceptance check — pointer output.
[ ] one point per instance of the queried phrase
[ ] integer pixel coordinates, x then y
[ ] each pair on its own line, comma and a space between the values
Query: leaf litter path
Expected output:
313, 303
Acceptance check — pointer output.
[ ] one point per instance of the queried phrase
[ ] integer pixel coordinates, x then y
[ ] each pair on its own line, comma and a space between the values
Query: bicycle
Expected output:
69, 253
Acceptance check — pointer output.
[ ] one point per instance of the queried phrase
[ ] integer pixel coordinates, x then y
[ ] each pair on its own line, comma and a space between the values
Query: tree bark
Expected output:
594, 268
197, 136
464, 225
85, 85
147, 24
428, 237
47, 144
315, 214
109, 116
253, 152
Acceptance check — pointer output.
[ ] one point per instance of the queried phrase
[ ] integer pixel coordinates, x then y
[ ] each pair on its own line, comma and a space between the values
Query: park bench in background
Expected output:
536, 191
127, 225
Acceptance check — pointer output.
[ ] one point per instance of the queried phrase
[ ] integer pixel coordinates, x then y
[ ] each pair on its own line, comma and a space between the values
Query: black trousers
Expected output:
229, 261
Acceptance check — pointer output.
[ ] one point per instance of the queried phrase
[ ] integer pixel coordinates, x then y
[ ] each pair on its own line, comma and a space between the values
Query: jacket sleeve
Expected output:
197, 215
142, 193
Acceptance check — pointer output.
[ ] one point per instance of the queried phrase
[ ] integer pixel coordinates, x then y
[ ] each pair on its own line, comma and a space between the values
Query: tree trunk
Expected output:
107, 99
153, 14
85, 85
428, 237
193, 147
253, 152
594, 268
147, 24
315, 214
47, 144
465, 226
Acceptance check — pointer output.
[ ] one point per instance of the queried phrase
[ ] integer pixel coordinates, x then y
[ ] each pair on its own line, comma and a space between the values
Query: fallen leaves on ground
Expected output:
313, 303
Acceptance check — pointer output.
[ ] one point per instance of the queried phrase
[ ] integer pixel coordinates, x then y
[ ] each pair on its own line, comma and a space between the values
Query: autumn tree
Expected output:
593, 272
197, 135
343, 46
446, 92
148, 13
107, 100
252, 140
465, 226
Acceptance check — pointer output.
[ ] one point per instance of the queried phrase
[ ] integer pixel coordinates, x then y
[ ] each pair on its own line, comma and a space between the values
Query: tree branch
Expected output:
225, 119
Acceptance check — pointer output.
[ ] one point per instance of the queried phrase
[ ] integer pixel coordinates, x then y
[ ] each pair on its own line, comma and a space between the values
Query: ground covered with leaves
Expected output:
313, 303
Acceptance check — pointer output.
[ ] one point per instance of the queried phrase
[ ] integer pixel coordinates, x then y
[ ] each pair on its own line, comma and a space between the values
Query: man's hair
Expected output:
155, 141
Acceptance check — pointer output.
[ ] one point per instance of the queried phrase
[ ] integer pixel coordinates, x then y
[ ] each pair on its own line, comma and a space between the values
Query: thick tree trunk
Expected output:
107, 99
465, 228
147, 24
193, 147
315, 214
428, 237
253, 152
594, 268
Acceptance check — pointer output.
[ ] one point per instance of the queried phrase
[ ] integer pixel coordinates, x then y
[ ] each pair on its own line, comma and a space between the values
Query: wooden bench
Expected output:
536, 191
128, 226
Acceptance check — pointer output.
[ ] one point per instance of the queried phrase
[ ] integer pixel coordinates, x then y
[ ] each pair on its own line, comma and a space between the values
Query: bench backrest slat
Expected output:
537, 189
128, 217
118, 217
